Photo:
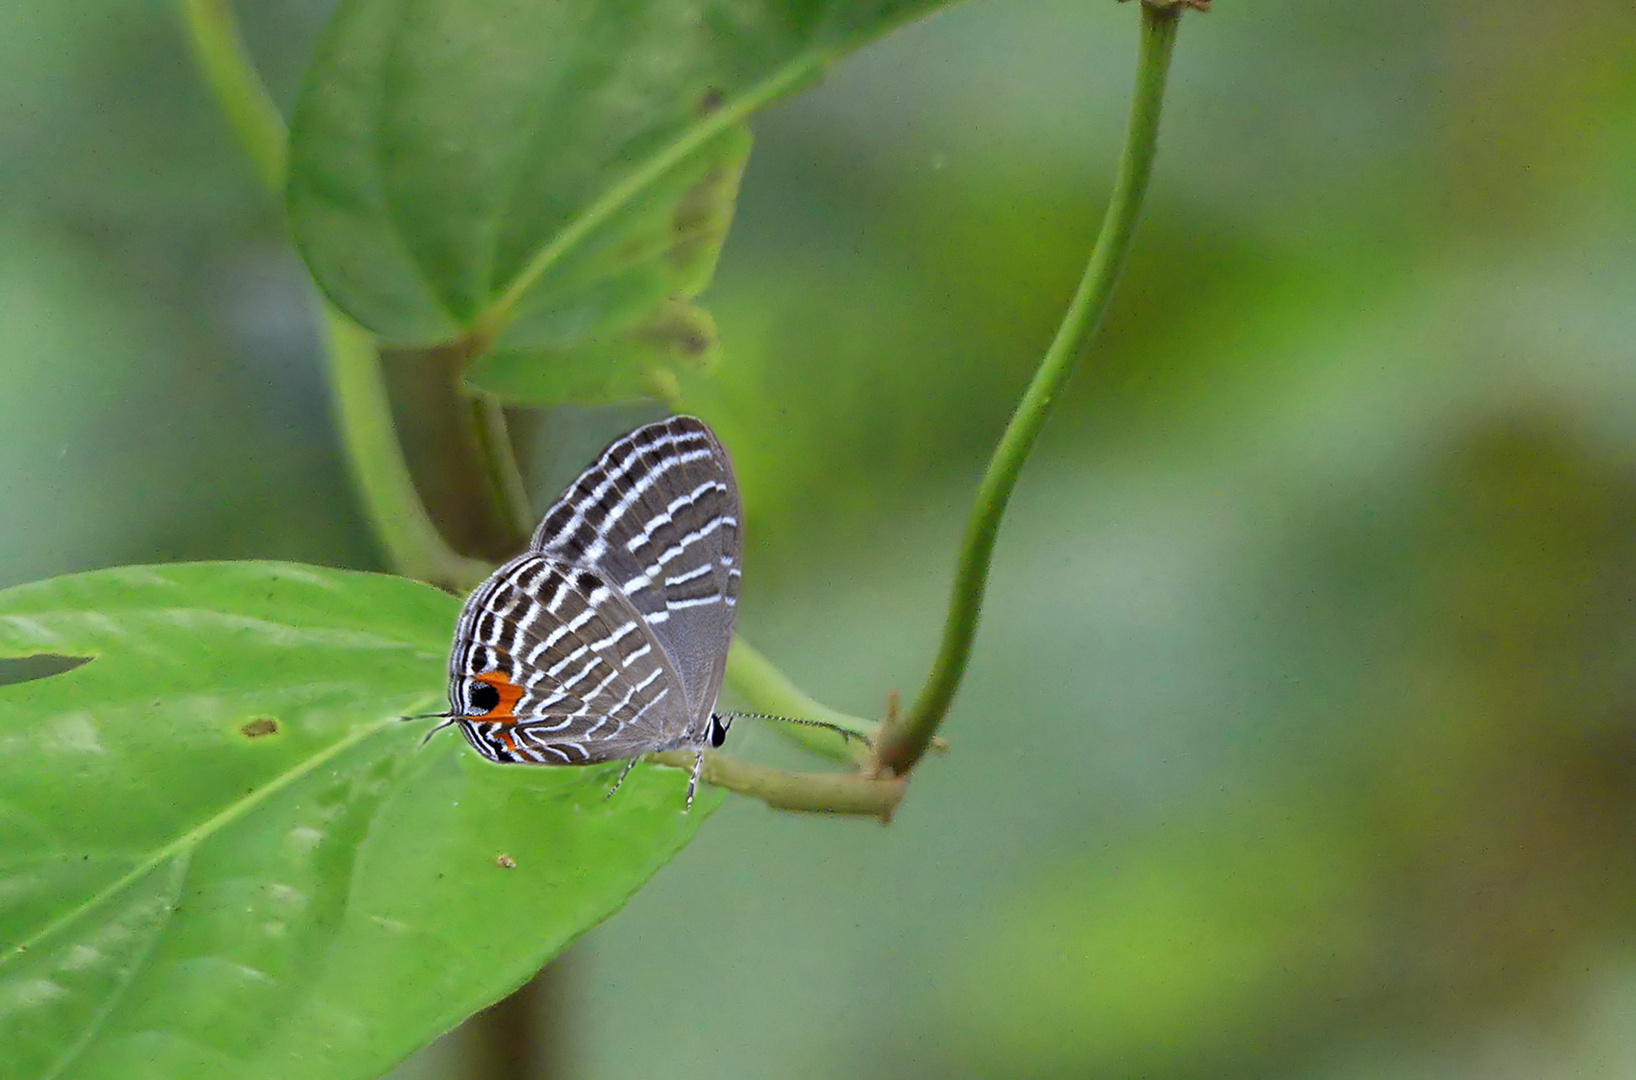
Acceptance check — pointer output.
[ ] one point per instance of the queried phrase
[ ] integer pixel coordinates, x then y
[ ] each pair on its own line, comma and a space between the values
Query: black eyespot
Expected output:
718, 731
484, 698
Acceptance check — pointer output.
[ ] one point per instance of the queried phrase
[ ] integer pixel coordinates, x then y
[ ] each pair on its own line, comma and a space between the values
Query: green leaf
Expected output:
224, 856
539, 175
637, 363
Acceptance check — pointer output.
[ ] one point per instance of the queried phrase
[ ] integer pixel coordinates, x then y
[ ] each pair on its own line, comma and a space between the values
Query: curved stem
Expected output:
903, 743
363, 418
249, 109
500, 459
363, 413
816, 793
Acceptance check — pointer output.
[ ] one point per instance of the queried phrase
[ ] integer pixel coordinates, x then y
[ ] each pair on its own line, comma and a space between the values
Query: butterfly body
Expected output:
608, 638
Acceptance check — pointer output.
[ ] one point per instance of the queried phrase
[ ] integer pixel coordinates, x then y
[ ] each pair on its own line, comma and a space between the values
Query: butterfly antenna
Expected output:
446, 716
844, 733
440, 727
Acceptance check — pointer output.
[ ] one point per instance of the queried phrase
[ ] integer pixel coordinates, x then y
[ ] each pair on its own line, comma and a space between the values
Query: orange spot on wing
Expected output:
509, 692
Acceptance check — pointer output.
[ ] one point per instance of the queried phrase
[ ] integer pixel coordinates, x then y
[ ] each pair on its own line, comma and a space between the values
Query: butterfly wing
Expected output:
657, 514
553, 666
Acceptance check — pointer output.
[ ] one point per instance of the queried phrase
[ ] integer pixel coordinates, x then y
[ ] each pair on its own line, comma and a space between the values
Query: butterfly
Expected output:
607, 639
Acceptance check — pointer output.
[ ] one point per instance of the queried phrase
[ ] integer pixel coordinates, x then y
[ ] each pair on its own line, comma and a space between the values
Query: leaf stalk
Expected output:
363, 414
849, 794
244, 100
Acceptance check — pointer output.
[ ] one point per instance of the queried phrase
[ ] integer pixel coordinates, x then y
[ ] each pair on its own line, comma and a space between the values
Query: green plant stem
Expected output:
455, 447
363, 413
500, 458
363, 417
754, 678
820, 793
905, 741
244, 101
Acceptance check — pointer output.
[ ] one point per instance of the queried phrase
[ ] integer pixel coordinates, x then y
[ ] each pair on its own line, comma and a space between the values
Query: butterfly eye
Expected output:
718, 731
483, 697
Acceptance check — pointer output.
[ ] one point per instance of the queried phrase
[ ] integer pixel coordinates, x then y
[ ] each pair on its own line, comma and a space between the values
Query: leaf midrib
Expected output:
328, 637
196, 835
491, 319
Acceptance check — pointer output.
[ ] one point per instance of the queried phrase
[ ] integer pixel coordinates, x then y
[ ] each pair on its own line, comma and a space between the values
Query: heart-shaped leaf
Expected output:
225, 857
539, 176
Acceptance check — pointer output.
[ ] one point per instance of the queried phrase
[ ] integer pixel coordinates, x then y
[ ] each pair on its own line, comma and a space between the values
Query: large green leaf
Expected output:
541, 175
223, 856
641, 362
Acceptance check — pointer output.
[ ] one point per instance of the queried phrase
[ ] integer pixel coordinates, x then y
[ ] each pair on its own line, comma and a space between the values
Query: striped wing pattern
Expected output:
658, 514
608, 638
570, 676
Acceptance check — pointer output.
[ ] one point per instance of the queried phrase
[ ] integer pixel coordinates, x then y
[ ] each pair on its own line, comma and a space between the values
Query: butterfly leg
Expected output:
693, 780
626, 771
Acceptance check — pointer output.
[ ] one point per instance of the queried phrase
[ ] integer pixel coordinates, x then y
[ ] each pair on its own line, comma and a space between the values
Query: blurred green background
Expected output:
1298, 742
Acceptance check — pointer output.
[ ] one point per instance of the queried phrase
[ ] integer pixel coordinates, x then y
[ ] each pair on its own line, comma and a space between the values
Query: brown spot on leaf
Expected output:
694, 344
711, 100
261, 725
505, 862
